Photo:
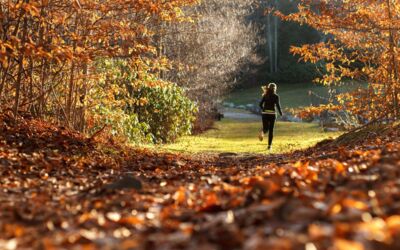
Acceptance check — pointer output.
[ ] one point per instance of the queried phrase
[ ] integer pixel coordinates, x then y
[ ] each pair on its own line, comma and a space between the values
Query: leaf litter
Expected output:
61, 190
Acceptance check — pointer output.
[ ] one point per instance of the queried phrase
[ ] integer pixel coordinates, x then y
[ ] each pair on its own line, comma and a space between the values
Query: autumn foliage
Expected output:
361, 43
69, 61
48, 50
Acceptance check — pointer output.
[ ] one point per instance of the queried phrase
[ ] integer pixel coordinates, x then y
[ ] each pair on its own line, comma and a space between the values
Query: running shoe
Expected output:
261, 136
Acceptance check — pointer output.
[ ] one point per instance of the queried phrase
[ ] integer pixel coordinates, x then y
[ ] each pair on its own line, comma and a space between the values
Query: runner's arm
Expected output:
278, 105
262, 103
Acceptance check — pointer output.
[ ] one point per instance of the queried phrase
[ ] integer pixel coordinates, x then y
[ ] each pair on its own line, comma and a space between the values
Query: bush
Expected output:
138, 108
167, 111
120, 124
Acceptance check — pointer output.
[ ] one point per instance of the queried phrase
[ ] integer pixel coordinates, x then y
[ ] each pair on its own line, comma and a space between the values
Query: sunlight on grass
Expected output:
240, 136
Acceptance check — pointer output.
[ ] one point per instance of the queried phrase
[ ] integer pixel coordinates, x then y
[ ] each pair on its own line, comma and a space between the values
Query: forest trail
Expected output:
238, 133
62, 190
239, 114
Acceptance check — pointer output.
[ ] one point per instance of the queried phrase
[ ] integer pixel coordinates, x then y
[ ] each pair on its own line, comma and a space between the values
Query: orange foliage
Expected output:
362, 44
48, 49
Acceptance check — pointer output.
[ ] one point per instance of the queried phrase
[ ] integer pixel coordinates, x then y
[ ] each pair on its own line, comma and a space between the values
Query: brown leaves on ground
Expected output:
60, 190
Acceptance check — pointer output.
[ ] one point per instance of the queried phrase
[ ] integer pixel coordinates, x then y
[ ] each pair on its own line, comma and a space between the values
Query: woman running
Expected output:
269, 101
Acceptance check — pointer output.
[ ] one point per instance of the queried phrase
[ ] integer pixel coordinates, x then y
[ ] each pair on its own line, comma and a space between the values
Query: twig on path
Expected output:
98, 132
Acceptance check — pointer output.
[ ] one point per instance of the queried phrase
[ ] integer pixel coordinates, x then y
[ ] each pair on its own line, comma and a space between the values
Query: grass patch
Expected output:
240, 136
292, 95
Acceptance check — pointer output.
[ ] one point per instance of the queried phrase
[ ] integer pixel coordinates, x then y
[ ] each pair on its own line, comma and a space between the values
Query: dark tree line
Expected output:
277, 36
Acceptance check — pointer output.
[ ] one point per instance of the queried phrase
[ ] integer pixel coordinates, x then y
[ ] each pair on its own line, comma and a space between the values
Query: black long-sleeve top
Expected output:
268, 104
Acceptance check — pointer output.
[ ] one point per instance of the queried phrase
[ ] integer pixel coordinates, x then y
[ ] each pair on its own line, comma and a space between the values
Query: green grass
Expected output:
292, 95
240, 136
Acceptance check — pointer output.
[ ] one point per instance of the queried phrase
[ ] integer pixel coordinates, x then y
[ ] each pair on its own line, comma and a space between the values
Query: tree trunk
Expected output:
270, 39
394, 63
70, 93
18, 82
71, 86
3, 79
4, 76
276, 47
43, 77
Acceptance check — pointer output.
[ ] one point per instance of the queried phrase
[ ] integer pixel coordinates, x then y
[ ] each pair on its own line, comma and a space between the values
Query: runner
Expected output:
269, 101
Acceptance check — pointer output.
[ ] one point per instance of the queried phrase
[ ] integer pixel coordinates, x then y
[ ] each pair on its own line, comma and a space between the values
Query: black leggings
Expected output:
268, 126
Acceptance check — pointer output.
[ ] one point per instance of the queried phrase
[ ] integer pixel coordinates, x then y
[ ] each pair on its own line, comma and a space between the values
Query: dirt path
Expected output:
240, 114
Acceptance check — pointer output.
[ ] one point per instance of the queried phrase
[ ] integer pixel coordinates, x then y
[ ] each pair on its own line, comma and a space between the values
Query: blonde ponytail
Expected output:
270, 89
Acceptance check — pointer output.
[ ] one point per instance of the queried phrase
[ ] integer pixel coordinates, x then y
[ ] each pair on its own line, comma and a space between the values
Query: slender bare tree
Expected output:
213, 51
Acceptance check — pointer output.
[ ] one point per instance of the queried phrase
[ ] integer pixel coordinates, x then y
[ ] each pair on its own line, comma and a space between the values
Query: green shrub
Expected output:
167, 111
140, 108
121, 123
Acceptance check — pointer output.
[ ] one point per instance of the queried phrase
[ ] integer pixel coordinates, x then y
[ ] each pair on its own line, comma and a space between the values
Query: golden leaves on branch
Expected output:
361, 44
59, 43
